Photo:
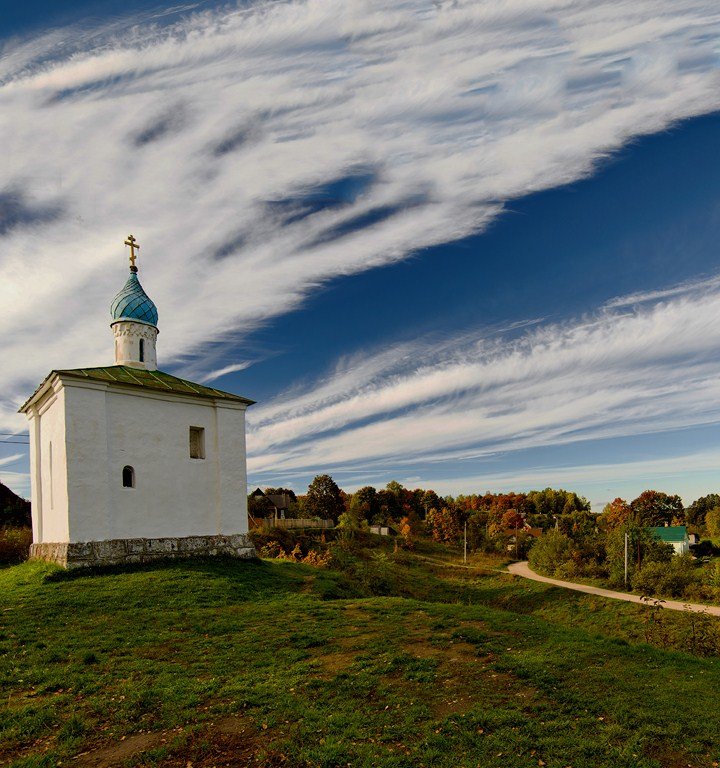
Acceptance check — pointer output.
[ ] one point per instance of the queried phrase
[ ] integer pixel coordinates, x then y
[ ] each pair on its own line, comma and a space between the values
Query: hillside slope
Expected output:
273, 663
14, 510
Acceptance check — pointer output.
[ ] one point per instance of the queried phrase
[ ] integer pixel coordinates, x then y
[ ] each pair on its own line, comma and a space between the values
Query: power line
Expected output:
15, 442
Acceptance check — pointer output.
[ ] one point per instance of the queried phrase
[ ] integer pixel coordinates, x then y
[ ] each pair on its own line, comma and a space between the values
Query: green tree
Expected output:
389, 507
712, 522
397, 489
324, 498
477, 531
551, 551
642, 548
695, 513
280, 491
355, 517
557, 502
260, 506
366, 499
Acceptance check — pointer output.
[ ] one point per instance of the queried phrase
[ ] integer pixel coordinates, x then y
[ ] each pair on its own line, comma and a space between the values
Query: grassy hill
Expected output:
14, 510
225, 663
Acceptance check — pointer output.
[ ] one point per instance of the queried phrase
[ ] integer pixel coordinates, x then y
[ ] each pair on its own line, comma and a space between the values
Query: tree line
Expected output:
488, 518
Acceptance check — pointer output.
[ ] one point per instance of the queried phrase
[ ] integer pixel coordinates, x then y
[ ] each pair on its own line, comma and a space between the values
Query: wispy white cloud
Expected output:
234, 368
706, 285
614, 374
5, 460
205, 139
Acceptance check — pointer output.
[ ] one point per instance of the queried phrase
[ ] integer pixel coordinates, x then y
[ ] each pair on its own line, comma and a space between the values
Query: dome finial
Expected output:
132, 242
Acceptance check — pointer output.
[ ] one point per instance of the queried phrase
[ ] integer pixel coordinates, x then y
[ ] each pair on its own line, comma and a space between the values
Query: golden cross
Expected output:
132, 242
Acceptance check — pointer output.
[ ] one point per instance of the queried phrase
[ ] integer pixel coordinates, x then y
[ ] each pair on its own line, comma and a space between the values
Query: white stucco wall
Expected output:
48, 468
127, 344
681, 547
108, 427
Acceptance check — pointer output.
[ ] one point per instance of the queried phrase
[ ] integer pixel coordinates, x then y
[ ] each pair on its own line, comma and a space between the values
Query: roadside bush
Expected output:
705, 548
552, 550
675, 578
648, 578
14, 545
643, 548
567, 571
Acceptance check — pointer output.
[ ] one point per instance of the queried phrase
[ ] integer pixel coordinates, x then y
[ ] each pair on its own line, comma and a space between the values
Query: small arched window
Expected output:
142, 350
128, 477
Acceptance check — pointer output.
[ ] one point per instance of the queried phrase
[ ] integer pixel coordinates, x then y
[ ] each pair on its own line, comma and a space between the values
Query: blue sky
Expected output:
496, 272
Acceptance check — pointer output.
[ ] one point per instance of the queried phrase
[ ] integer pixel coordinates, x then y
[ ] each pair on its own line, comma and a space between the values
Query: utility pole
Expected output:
626, 559
465, 544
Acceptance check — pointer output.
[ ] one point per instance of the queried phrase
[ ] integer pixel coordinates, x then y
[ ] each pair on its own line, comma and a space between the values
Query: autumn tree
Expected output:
408, 531
657, 508
444, 525
324, 498
512, 519
615, 513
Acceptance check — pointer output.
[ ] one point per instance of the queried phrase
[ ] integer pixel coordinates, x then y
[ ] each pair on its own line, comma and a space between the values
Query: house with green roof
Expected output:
676, 535
129, 463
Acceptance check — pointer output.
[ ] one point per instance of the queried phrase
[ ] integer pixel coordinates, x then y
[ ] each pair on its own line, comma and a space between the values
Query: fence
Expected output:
270, 522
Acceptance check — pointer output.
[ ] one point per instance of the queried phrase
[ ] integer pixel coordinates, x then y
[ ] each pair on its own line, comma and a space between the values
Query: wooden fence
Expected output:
271, 522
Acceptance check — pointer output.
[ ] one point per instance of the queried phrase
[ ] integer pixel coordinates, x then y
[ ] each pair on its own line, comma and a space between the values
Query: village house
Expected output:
676, 535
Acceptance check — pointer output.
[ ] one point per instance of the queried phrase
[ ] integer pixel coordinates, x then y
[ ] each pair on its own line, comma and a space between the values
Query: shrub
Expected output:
566, 571
549, 552
14, 544
680, 576
648, 578
674, 578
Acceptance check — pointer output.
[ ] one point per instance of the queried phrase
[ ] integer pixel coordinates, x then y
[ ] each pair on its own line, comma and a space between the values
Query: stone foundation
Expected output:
89, 554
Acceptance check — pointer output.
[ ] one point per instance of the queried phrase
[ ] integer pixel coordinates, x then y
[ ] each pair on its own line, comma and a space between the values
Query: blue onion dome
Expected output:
132, 303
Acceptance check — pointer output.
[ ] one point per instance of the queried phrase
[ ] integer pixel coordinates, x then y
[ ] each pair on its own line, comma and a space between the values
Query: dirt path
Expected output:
523, 569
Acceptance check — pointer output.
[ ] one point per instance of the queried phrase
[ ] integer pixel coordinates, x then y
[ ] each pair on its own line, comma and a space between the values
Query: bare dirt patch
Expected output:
117, 753
669, 757
339, 661
229, 741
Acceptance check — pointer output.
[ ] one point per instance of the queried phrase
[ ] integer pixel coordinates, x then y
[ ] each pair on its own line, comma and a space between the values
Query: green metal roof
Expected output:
157, 381
672, 534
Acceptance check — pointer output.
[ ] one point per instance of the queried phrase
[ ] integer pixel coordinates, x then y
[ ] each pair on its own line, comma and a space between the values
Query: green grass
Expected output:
275, 663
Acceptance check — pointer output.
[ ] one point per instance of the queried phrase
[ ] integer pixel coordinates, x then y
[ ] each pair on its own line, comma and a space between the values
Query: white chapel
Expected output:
131, 464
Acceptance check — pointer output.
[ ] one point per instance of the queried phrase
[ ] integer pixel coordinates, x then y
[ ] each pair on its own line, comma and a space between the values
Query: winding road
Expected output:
523, 569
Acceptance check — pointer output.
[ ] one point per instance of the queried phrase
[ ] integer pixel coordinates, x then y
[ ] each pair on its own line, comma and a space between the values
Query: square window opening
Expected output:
197, 442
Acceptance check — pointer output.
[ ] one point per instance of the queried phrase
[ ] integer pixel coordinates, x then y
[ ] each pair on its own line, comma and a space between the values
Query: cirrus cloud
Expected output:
258, 152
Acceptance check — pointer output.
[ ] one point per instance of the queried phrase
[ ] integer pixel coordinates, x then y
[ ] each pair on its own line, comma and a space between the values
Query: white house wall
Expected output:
50, 456
87, 437
174, 495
